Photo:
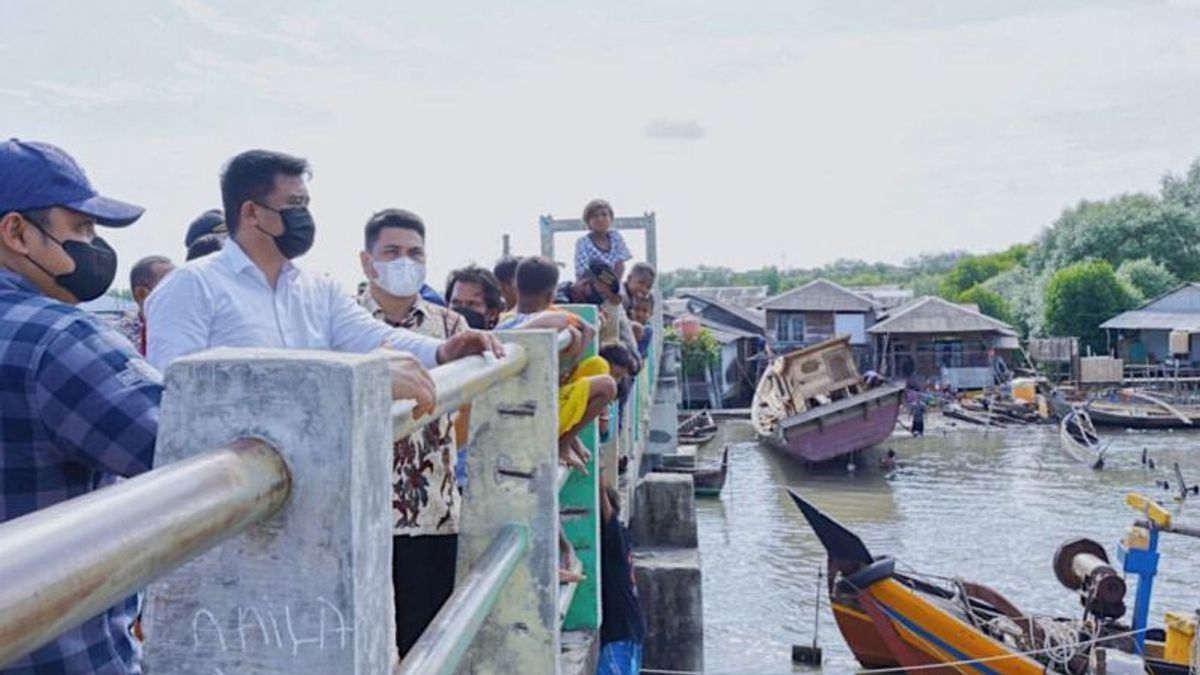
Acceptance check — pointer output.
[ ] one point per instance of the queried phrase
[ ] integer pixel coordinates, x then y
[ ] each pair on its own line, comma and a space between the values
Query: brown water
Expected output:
992, 507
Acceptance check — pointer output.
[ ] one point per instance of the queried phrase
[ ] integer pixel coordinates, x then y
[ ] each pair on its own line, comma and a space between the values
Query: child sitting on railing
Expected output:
586, 388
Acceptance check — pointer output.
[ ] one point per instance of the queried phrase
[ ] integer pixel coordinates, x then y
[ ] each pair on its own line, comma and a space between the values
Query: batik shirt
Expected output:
425, 497
78, 409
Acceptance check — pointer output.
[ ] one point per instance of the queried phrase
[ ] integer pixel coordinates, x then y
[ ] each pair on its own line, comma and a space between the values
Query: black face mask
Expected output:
474, 319
299, 230
95, 267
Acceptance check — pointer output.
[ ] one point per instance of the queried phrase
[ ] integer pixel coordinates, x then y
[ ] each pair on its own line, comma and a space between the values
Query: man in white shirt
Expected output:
252, 295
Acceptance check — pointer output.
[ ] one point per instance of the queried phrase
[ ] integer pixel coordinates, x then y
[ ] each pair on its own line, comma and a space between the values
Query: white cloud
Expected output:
684, 130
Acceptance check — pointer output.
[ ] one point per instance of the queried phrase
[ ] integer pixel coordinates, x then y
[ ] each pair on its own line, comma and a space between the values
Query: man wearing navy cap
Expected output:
206, 234
80, 407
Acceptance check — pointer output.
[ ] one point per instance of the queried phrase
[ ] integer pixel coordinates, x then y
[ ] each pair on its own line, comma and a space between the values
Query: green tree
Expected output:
1127, 227
1147, 277
971, 271
989, 302
1023, 291
700, 353
1082, 296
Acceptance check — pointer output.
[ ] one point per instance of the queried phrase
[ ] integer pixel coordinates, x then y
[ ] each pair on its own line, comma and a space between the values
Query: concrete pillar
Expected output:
512, 466
669, 588
308, 591
665, 511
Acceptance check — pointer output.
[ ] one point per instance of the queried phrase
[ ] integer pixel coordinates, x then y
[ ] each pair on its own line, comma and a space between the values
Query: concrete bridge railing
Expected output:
263, 538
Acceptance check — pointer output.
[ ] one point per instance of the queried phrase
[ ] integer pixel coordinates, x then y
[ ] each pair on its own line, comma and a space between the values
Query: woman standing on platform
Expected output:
602, 241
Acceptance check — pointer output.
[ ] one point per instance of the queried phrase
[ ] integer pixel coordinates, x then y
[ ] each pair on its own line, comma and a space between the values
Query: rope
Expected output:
1000, 657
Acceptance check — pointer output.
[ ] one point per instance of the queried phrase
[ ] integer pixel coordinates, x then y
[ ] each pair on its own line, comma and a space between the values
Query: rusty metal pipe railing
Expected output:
459, 382
64, 564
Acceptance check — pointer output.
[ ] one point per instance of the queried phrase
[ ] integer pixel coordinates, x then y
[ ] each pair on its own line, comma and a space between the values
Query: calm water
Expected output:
991, 506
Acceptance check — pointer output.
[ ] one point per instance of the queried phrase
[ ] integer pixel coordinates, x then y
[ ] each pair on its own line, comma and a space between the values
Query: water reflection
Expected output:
992, 506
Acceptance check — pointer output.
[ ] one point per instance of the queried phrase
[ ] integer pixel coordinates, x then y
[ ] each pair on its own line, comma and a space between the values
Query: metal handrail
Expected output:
60, 566
450, 634
460, 382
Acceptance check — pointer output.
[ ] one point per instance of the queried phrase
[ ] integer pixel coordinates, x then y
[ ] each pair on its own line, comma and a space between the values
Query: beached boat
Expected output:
706, 482
1079, 439
1140, 410
907, 620
814, 405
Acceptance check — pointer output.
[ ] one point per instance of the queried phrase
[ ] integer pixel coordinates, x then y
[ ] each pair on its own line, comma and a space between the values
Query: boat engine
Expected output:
1082, 566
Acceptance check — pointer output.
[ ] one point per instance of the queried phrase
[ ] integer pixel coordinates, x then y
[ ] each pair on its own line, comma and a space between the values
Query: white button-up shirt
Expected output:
224, 300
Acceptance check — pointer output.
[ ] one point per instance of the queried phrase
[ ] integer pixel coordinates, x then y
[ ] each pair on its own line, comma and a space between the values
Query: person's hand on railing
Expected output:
410, 381
469, 343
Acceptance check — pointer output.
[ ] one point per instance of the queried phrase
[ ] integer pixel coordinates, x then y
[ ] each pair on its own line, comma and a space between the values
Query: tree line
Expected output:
1097, 259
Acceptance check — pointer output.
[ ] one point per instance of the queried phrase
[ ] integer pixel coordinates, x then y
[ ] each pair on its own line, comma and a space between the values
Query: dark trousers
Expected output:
423, 578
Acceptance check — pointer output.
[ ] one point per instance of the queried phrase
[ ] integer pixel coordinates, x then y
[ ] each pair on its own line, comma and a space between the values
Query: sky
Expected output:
770, 132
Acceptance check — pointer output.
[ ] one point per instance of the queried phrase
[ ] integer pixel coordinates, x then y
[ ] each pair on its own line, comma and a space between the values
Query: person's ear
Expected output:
140, 293
367, 268
14, 233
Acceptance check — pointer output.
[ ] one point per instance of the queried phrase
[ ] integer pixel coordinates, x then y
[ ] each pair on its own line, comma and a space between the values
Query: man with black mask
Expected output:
252, 295
477, 295
80, 407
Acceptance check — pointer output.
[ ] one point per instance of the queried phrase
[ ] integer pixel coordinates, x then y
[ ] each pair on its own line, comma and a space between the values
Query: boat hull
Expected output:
841, 428
1103, 418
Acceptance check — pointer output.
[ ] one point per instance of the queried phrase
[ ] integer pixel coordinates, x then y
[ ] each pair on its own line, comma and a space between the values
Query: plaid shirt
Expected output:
78, 408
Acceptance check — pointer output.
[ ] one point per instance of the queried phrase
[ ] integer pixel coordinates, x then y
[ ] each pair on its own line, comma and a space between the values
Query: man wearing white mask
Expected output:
425, 502
394, 261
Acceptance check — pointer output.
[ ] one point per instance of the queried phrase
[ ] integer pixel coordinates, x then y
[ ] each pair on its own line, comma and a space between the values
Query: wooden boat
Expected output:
701, 422
706, 482
814, 405
900, 620
1140, 410
1079, 439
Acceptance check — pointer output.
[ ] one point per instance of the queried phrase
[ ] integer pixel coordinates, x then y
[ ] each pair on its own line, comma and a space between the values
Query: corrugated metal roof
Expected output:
821, 295
753, 317
934, 315
1146, 319
742, 296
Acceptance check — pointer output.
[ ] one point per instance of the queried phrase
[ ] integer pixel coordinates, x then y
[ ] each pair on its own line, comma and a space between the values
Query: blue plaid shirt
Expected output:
78, 408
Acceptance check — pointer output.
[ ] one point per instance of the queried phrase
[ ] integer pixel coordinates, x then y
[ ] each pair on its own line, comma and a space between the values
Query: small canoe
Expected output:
697, 438
706, 482
1079, 439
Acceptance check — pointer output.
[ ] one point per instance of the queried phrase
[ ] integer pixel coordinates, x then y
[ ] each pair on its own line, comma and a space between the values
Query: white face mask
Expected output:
401, 277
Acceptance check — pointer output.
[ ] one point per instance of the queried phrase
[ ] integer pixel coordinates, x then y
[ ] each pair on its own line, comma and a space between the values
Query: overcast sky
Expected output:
763, 132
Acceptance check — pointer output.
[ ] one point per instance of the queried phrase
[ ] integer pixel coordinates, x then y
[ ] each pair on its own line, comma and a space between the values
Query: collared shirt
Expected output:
425, 496
224, 300
423, 317
78, 408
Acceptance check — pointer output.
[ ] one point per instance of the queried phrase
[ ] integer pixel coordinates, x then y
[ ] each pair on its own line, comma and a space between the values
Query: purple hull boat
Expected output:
813, 404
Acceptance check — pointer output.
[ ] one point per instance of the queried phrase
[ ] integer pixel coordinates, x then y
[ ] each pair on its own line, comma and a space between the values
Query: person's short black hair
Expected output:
401, 218
474, 274
618, 355
251, 176
643, 268
536, 275
505, 268
209, 243
594, 207
143, 274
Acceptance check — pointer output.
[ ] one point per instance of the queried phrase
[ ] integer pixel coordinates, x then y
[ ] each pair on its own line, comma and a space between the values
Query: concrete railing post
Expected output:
308, 591
512, 466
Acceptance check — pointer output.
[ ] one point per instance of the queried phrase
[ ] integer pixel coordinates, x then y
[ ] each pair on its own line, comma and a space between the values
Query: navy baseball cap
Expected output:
211, 221
37, 175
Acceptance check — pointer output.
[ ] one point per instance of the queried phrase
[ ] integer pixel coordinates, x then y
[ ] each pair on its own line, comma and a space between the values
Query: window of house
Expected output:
790, 328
